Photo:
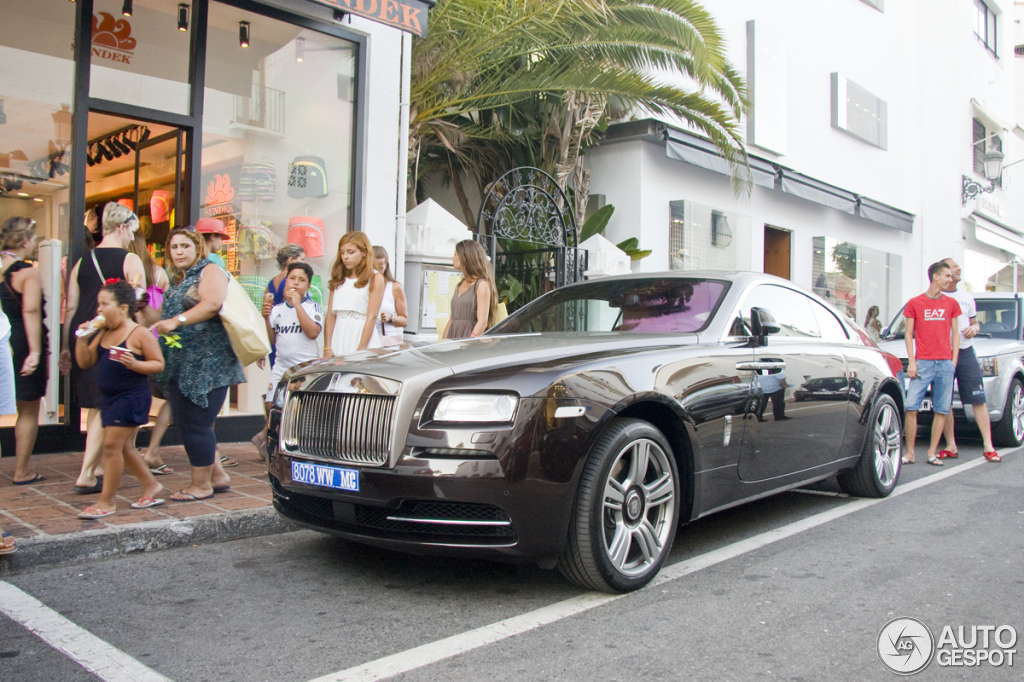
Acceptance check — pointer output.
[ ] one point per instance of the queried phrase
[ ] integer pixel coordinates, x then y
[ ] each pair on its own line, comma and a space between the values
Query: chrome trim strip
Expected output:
449, 522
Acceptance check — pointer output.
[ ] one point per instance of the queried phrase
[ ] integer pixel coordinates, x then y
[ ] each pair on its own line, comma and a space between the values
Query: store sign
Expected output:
112, 38
407, 15
220, 194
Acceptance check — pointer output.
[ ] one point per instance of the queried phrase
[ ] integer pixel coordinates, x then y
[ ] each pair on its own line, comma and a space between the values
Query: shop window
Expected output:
278, 151
36, 96
142, 59
853, 278
705, 238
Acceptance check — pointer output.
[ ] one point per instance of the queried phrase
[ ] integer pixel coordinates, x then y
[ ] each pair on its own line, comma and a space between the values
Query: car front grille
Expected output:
460, 519
345, 427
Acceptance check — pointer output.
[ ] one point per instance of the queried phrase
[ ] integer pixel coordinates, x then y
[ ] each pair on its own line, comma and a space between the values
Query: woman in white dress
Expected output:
394, 311
353, 306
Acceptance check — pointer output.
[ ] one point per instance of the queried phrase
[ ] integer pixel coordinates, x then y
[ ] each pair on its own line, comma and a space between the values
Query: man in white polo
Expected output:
968, 370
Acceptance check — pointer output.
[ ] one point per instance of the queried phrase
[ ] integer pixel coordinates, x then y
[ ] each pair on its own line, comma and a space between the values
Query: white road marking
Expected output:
427, 654
81, 646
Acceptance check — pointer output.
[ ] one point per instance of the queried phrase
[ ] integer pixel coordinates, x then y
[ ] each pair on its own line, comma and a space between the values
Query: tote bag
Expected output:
244, 324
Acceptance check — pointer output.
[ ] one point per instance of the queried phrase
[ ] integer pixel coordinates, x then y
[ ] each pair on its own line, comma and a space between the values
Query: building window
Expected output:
859, 113
978, 148
854, 278
985, 25
705, 238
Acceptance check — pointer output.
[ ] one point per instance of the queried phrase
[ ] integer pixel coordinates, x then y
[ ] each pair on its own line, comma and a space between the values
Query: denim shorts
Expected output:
7, 391
939, 375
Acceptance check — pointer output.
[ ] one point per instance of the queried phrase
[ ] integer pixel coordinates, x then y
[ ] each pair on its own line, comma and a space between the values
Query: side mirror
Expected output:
762, 323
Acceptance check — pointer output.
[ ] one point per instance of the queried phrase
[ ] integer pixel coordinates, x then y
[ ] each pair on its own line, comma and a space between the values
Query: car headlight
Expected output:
476, 407
989, 367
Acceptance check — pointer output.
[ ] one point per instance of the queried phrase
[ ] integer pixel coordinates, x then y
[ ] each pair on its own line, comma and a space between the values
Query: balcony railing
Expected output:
263, 109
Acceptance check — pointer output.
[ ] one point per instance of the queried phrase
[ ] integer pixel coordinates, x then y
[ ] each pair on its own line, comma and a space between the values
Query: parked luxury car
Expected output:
585, 428
999, 347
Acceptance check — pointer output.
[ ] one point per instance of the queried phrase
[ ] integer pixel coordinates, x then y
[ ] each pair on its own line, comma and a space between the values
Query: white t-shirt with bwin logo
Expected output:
292, 344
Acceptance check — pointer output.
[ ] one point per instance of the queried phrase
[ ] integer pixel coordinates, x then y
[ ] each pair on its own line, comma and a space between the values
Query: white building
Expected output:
869, 119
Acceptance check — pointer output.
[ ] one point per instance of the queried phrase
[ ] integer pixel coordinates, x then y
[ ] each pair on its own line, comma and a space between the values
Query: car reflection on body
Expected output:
1000, 349
829, 388
585, 428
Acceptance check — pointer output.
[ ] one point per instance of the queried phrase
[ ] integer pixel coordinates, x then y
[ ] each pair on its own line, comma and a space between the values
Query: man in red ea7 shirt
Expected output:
933, 343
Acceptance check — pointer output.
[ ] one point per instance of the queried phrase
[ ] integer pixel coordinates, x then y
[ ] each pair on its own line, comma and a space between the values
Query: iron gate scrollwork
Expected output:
528, 226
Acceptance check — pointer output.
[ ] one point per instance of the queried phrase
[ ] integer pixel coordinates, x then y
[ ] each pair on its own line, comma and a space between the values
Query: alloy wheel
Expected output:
887, 445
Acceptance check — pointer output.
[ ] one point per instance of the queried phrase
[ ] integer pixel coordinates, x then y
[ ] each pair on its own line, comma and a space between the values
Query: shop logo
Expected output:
219, 195
905, 646
112, 38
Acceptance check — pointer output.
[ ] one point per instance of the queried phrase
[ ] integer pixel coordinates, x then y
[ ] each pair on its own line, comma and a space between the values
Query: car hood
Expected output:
493, 352
983, 348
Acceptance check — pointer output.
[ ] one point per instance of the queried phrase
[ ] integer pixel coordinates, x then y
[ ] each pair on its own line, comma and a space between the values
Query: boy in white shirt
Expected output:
294, 326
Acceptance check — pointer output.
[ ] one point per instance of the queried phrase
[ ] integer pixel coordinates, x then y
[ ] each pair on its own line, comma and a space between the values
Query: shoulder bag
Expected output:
244, 324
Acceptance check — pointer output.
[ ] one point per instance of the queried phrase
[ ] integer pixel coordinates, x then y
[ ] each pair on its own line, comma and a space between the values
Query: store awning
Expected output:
869, 209
998, 236
701, 153
407, 15
817, 191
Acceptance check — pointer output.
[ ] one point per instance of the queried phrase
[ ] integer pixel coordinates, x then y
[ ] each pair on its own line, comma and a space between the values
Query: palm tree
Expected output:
498, 83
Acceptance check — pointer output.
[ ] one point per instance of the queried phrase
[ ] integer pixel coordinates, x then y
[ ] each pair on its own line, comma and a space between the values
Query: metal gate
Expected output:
528, 227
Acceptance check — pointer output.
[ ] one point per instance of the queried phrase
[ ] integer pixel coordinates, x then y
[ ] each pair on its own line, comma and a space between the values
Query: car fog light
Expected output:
476, 407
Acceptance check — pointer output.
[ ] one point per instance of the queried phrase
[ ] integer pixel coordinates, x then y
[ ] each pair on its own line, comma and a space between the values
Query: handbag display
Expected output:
244, 324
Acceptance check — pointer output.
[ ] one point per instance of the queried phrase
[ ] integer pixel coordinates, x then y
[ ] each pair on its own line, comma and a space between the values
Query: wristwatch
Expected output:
181, 319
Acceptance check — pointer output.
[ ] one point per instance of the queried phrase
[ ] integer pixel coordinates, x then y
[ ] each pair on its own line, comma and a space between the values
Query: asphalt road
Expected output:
808, 606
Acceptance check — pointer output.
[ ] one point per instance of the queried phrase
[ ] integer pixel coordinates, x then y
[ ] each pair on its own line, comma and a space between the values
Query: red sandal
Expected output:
993, 456
947, 454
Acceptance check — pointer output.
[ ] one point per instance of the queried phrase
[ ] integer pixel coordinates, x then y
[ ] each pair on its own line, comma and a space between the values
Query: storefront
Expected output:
256, 113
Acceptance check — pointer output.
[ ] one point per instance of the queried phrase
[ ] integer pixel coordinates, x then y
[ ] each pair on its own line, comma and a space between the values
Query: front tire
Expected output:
624, 518
1008, 432
878, 469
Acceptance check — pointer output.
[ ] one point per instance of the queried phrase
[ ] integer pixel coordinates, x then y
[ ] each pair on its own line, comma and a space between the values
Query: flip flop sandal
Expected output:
147, 502
5, 549
935, 461
93, 513
161, 470
947, 454
993, 456
227, 462
36, 478
192, 498
221, 488
907, 461
90, 489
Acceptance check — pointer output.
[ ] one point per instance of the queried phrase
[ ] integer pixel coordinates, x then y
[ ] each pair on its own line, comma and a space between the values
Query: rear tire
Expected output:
878, 469
1008, 432
624, 517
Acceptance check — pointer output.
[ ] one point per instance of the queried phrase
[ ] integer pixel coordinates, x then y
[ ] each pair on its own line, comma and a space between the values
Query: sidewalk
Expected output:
42, 516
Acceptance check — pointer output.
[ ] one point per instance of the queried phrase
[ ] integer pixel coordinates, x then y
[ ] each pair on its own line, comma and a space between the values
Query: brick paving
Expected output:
49, 508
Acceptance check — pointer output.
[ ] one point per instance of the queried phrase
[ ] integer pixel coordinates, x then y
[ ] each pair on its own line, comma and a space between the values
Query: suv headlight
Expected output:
476, 407
989, 367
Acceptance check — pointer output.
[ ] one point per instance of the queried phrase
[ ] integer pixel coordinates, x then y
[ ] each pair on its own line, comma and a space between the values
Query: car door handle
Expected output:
758, 366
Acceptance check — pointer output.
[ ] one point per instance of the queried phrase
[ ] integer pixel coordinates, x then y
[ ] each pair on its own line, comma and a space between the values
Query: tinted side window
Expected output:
831, 328
790, 309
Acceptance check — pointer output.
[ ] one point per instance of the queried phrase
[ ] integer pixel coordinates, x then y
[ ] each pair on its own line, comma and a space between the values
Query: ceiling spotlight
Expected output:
89, 156
182, 16
300, 49
107, 154
126, 8
144, 135
243, 33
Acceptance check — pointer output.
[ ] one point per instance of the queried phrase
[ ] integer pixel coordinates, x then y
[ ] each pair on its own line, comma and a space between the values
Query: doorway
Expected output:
141, 165
777, 251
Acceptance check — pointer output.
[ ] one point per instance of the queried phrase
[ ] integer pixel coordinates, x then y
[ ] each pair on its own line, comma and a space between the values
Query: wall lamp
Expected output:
182, 17
243, 34
993, 169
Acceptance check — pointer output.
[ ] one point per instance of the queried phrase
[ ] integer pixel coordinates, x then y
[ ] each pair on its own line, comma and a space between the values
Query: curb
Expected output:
149, 536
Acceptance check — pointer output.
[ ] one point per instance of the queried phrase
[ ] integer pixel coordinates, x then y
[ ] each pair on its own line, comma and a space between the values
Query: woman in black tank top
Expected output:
109, 260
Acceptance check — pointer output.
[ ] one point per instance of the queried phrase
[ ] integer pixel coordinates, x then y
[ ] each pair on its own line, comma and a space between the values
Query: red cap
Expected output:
211, 226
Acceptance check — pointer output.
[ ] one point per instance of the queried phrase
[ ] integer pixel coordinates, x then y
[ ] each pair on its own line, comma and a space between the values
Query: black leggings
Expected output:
195, 424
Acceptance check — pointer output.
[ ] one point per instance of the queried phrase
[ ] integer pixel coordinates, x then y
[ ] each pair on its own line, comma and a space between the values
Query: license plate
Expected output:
325, 477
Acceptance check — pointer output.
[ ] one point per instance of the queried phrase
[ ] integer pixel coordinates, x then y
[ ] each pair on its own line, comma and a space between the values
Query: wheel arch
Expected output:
673, 426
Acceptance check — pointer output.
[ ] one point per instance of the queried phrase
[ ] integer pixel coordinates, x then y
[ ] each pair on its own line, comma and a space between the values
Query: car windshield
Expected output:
667, 305
999, 318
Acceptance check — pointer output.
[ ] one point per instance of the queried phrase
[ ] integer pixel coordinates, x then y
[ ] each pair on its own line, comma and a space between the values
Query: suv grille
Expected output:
345, 427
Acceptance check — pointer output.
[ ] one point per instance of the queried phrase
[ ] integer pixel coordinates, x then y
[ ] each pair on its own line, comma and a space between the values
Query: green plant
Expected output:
596, 224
